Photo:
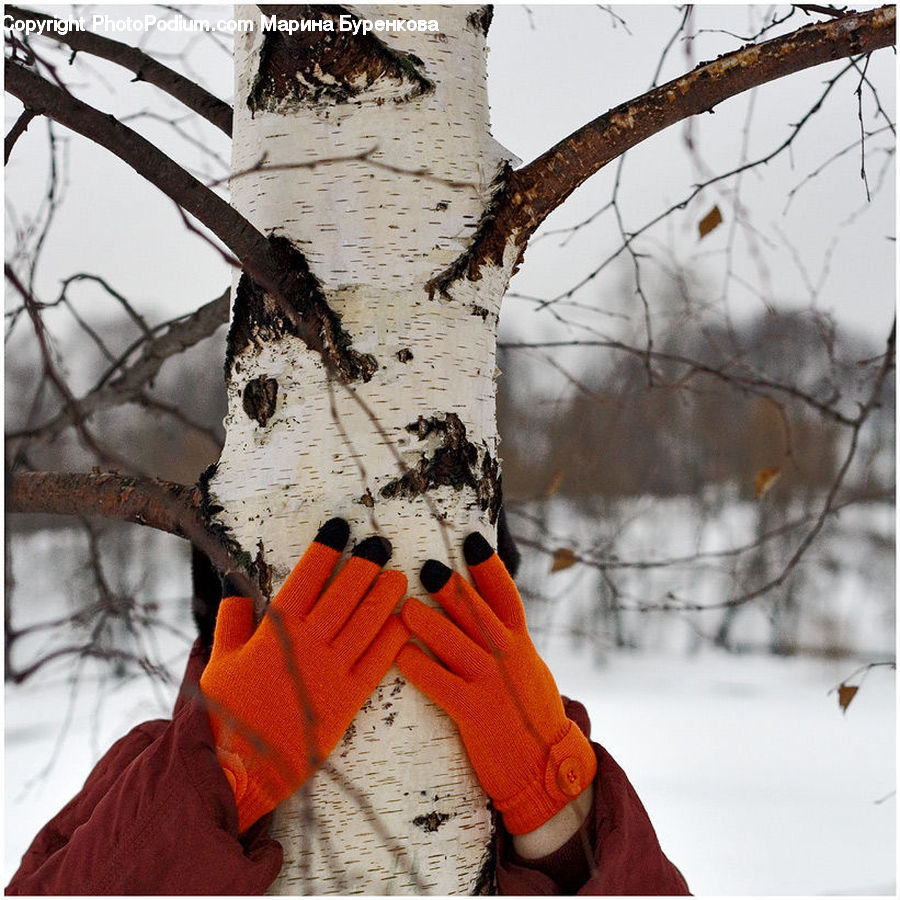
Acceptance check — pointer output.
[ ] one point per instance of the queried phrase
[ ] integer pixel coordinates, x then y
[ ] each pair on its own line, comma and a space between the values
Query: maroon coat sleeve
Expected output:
156, 816
616, 852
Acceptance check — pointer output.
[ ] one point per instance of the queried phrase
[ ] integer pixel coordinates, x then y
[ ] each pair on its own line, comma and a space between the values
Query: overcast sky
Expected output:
551, 69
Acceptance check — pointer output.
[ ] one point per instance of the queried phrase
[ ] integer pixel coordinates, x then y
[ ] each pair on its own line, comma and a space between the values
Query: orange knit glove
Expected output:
530, 759
279, 698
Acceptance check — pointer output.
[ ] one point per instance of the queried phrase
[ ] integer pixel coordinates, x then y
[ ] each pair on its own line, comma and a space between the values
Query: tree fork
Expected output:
532, 192
292, 288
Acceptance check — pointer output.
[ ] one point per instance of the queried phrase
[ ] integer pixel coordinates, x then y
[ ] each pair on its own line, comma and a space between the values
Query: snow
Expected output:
755, 780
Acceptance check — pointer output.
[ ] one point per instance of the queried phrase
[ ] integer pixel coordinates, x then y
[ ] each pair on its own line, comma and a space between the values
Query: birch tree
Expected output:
373, 225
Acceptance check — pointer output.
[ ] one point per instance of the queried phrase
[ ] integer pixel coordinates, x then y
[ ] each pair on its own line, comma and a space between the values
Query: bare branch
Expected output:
160, 504
534, 191
145, 68
730, 373
292, 288
164, 505
213, 211
18, 129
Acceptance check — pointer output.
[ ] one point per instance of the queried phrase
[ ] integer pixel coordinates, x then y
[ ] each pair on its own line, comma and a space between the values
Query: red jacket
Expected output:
156, 816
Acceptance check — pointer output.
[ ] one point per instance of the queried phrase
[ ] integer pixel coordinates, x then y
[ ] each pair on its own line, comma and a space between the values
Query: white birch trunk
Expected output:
397, 808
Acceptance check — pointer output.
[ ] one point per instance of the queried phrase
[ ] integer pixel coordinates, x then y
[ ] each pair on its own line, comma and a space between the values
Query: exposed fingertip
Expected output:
476, 549
375, 549
334, 533
434, 575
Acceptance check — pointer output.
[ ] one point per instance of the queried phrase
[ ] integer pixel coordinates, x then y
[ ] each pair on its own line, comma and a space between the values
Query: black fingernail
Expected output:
375, 549
334, 533
434, 575
476, 549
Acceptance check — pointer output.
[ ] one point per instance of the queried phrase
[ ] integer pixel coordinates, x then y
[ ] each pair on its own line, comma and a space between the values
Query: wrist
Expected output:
557, 830
256, 792
568, 771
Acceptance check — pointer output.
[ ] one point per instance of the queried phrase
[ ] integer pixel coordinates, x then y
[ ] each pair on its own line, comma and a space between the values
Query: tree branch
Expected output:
165, 505
129, 383
145, 68
18, 129
534, 191
40, 96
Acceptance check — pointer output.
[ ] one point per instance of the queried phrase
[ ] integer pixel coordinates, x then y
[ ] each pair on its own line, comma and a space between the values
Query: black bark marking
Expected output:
480, 311
431, 822
263, 571
349, 734
367, 499
480, 19
260, 397
485, 246
257, 319
404, 355
328, 67
454, 463
209, 508
486, 883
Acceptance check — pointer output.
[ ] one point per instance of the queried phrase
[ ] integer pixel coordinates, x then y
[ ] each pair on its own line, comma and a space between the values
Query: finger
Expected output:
460, 654
305, 583
431, 678
234, 624
350, 585
370, 615
463, 604
494, 583
381, 655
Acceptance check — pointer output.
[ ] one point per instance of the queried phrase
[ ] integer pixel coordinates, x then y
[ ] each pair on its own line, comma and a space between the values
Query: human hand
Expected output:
530, 759
280, 697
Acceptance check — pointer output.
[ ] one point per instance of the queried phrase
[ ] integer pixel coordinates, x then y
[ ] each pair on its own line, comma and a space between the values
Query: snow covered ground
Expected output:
755, 780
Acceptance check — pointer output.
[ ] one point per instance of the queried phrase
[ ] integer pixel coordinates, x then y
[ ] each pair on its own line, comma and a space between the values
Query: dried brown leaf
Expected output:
764, 480
553, 485
711, 221
846, 693
563, 558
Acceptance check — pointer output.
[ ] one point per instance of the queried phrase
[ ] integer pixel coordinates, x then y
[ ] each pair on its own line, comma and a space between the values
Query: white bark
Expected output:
374, 237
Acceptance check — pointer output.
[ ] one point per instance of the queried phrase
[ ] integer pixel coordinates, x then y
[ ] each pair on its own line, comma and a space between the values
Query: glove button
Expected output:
570, 776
